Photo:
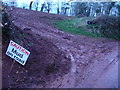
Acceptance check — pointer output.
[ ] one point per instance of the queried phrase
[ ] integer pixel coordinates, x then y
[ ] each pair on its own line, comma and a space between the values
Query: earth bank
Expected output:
58, 59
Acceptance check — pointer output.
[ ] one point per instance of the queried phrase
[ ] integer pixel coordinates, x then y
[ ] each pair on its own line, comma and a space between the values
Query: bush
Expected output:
108, 26
7, 24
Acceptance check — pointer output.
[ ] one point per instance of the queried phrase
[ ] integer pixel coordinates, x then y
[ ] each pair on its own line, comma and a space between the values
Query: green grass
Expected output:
78, 26
75, 26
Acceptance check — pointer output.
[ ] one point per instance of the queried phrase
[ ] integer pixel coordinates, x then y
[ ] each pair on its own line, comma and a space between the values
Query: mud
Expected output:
58, 59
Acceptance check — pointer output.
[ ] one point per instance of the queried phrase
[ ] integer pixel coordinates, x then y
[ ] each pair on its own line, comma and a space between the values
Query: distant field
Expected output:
77, 26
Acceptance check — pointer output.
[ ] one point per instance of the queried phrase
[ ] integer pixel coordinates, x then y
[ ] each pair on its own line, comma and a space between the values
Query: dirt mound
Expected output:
46, 61
58, 59
31, 15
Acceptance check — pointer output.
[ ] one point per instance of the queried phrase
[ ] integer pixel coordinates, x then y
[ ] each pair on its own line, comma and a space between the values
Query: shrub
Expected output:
7, 23
108, 26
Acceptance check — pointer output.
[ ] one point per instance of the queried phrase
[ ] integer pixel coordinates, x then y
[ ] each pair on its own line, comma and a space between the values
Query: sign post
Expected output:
17, 52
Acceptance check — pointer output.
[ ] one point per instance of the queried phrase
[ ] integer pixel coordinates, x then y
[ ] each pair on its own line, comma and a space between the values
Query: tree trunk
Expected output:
30, 6
118, 7
58, 11
109, 8
36, 6
48, 10
43, 5
88, 12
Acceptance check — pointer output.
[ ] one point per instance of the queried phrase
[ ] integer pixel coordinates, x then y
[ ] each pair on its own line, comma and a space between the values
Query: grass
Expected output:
76, 26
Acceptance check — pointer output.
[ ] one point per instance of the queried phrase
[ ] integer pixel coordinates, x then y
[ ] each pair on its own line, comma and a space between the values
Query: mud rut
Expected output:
91, 62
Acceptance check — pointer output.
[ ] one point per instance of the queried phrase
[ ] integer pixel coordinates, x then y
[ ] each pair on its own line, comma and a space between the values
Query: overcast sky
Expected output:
20, 2
26, 1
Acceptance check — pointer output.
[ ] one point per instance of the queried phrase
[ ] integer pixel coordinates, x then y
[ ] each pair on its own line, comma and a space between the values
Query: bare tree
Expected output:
36, 6
12, 3
109, 7
42, 7
58, 9
118, 7
30, 6
48, 6
65, 7
24, 5
81, 9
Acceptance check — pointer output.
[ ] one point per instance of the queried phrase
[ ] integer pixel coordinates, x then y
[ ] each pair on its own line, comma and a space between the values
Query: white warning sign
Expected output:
17, 52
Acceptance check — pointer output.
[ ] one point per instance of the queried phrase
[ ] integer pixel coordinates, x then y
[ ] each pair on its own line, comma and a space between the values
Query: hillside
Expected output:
58, 59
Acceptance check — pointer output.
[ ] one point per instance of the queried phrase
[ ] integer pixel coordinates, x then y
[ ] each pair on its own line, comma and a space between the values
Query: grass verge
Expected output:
78, 26
75, 26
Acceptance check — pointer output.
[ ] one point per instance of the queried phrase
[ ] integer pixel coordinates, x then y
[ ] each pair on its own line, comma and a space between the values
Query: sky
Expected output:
28, 1
20, 2
36, 0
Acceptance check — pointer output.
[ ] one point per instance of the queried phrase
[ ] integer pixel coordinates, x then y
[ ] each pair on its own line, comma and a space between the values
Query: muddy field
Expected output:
58, 59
